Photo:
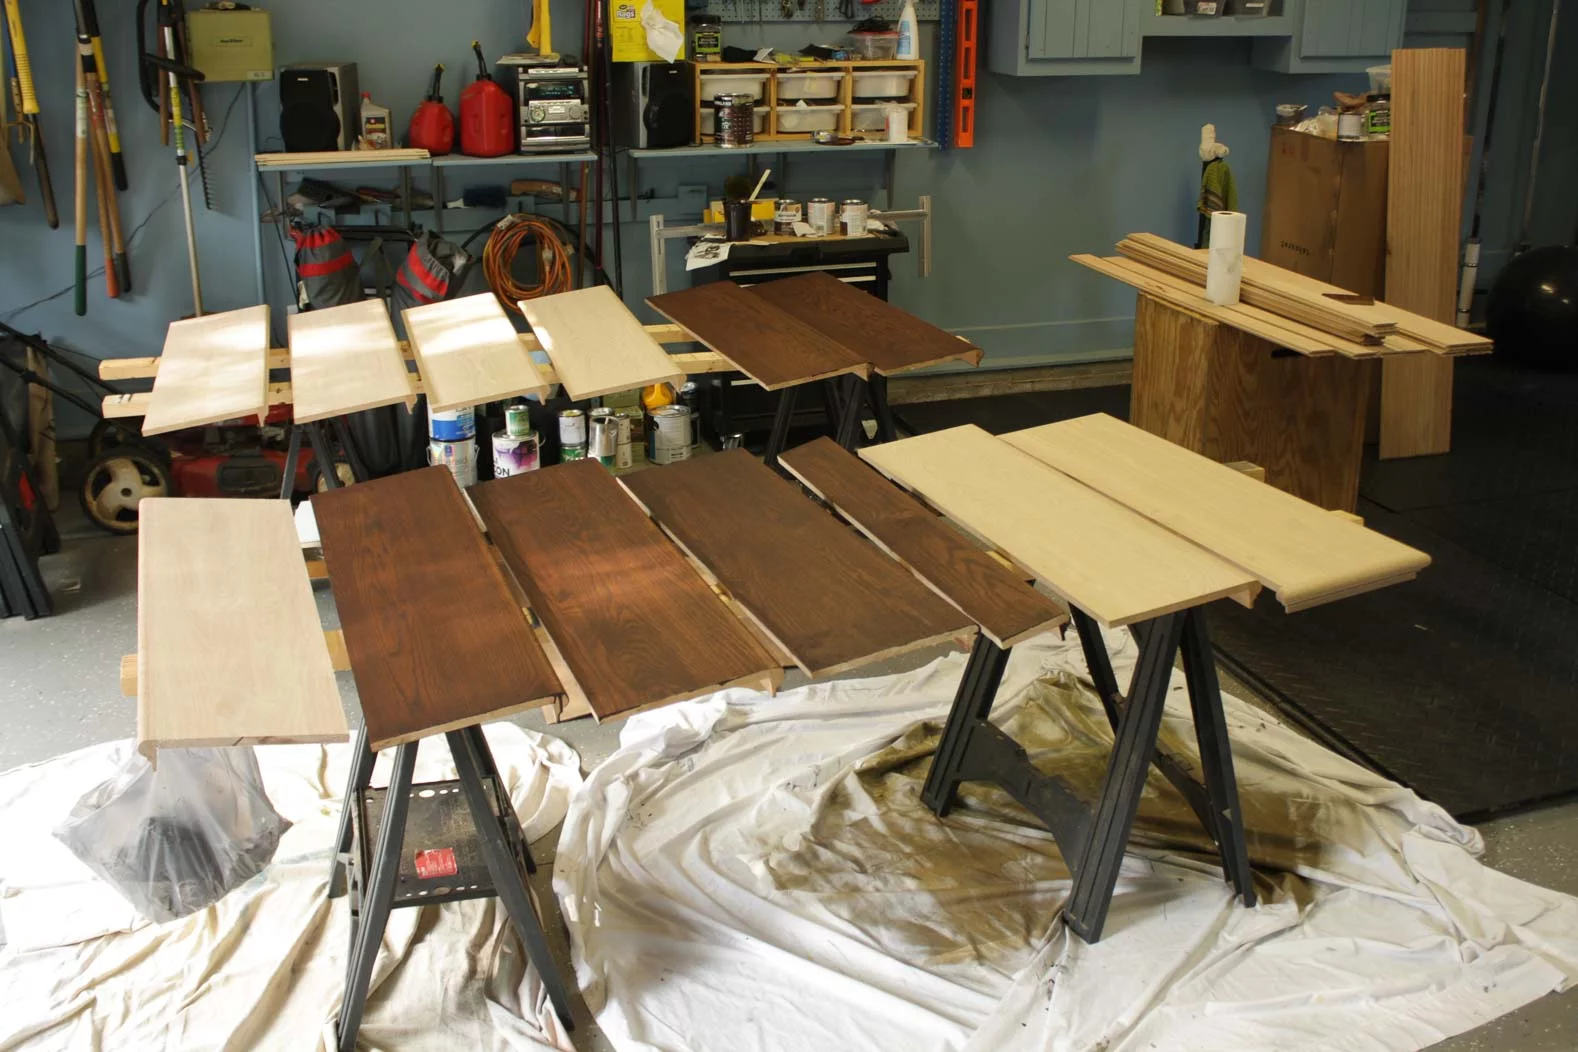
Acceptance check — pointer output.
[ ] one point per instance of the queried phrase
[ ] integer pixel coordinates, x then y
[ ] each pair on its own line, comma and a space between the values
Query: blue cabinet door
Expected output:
1064, 29
1351, 28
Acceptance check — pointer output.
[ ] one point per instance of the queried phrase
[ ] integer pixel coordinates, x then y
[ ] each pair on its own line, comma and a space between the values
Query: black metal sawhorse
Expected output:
845, 398
322, 453
445, 867
1092, 838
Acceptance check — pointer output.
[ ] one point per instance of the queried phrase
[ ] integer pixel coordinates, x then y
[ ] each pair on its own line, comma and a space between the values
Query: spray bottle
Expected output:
909, 32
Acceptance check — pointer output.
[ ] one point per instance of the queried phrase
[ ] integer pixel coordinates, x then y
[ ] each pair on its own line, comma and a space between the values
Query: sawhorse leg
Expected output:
877, 391
850, 403
357, 781
778, 437
322, 453
972, 702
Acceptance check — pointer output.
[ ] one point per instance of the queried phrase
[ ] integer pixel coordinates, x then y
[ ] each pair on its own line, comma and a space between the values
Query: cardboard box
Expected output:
1326, 210
231, 45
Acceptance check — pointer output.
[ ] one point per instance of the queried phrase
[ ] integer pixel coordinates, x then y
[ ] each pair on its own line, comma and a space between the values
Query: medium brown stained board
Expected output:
996, 598
827, 597
892, 340
634, 623
435, 636
771, 347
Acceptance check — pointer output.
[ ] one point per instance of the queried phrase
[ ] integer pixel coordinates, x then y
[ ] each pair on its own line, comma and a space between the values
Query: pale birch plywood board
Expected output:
596, 345
345, 359
230, 650
468, 353
1096, 554
1304, 553
213, 368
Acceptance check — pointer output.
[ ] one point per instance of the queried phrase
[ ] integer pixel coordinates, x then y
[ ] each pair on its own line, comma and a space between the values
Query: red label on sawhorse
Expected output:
437, 863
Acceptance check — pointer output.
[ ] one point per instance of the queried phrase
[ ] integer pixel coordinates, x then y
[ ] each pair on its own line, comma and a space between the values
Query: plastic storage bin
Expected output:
809, 85
734, 83
883, 84
875, 45
808, 118
875, 117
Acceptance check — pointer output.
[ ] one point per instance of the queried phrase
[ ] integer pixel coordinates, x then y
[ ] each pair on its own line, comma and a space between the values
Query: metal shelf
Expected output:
352, 161
1217, 26
511, 160
784, 146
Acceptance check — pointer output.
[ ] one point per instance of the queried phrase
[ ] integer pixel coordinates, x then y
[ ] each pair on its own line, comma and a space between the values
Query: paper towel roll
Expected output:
1224, 270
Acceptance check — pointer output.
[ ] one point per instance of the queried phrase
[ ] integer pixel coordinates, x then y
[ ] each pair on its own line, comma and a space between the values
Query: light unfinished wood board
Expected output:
214, 368
230, 650
330, 158
333, 639
596, 345
1098, 555
345, 359
1302, 552
468, 353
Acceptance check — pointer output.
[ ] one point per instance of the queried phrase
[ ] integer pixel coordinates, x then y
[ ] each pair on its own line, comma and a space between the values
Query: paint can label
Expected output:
459, 457
853, 216
569, 453
572, 428
820, 213
624, 450
452, 425
514, 455
670, 434
787, 215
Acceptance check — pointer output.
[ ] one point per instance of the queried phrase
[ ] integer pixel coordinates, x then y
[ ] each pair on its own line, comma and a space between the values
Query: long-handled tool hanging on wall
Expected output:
11, 192
102, 148
161, 77
26, 100
88, 22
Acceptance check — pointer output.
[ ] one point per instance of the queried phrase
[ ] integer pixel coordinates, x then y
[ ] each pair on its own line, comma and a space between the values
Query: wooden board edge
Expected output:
677, 380
767, 681
959, 637
503, 712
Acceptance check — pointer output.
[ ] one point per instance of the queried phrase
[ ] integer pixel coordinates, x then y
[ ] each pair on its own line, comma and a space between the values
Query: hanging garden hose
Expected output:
551, 243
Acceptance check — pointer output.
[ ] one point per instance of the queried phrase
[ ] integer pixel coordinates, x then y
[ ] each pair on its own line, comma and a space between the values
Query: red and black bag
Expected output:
328, 273
431, 270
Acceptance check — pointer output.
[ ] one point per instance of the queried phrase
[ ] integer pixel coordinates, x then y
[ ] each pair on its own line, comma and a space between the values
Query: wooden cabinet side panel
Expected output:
1172, 357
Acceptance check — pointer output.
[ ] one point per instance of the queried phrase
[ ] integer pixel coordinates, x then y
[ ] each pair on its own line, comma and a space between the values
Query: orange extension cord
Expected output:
554, 256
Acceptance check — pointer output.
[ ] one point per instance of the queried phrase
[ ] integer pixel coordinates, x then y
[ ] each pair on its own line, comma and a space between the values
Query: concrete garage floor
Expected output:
59, 691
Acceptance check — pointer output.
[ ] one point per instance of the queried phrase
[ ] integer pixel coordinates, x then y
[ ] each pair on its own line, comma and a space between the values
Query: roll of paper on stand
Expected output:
1224, 270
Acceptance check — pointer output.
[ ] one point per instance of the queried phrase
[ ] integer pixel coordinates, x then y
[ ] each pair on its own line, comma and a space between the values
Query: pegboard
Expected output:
746, 11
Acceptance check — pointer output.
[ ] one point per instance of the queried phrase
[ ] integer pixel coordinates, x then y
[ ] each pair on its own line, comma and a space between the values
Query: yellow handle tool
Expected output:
24, 68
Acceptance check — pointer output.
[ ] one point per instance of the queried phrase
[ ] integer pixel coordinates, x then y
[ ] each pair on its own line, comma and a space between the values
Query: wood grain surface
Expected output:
633, 621
436, 638
1006, 608
230, 649
771, 347
213, 368
596, 345
1098, 555
892, 340
345, 359
825, 596
469, 353
1307, 555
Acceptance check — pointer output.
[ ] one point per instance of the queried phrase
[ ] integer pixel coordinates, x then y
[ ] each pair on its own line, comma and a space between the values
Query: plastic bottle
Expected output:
909, 32
375, 125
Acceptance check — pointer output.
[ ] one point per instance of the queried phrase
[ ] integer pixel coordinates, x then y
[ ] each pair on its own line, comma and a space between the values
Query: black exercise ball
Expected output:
1533, 310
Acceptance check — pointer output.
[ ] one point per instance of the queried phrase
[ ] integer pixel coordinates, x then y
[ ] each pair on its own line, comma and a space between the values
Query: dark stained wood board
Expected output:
771, 347
636, 625
825, 596
435, 636
892, 340
1006, 608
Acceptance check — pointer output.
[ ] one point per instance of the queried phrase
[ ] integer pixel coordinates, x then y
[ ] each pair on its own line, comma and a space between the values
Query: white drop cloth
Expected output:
748, 874
263, 968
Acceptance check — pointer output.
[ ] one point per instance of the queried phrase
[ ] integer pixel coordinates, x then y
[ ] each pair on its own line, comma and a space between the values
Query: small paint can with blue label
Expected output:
452, 425
459, 457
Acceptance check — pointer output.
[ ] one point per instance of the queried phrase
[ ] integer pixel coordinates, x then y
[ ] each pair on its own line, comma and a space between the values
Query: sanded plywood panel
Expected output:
892, 340
998, 600
1423, 217
825, 596
468, 353
596, 345
230, 649
213, 368
435, 636
634, 623
1100, 556
771, 347
1306, 554
345, 359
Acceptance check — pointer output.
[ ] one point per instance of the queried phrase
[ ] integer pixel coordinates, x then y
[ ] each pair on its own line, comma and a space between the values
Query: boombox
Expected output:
319, 106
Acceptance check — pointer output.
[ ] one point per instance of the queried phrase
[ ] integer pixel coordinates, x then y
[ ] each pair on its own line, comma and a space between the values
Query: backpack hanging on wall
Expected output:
328, 274
431, 271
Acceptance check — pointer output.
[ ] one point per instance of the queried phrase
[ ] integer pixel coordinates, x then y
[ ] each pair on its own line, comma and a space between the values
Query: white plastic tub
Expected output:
808, 118
883, 84
714, 84
875, 117
809, 85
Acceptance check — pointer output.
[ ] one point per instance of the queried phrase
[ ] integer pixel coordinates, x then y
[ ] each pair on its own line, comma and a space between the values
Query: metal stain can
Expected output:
572, 429
459, 457
517, 419
787, 215
853, 217
690, 398
820, 213
734, 119
569, 453
670, 434
452, 425
603, 445
514, 454
625, 451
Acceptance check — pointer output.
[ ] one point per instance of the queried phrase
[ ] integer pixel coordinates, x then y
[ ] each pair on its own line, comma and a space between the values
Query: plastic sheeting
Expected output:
750, 874
263, 968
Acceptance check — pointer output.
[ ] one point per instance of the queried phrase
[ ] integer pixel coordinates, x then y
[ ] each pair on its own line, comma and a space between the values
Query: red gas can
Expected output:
432, 125
487, 115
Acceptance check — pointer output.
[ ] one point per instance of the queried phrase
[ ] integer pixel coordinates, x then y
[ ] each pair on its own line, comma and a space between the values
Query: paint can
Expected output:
514, 454
853, 217
459, 457
452, 425
517, 419
690, 398
786, 216
625, 451
572, 428
734, 119
603, 445
820, 213
670, 434
1350, 126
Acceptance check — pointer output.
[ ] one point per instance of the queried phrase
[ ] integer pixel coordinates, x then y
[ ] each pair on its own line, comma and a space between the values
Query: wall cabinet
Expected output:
1336, 36
1030, 38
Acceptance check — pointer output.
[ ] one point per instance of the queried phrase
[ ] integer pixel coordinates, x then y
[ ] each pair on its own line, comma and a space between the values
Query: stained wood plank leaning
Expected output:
1007, 609
1304, 553
230, 649
892, 340
596, 345
435, 636
469, 353
1100, 556
771, 347
820, 592
345, 359
213, 368
634, 623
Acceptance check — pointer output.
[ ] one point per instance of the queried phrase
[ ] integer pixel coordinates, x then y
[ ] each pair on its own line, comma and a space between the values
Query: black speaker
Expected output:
657, 104
319, 106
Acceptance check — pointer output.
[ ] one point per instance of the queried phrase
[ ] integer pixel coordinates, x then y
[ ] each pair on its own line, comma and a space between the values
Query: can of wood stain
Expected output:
572, 435
853, 217
514, 454
517, 419
787, 214
670, 434
625, 451
452, 425
459, 457
821, 214
603, 445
